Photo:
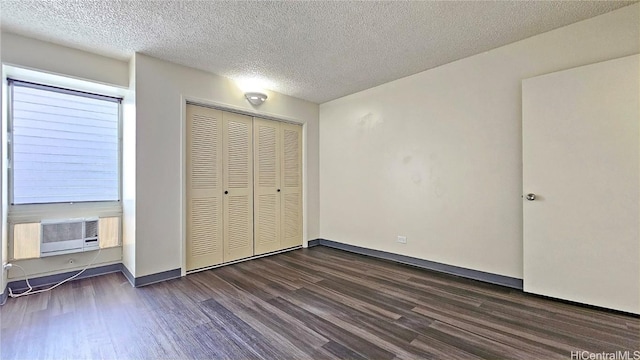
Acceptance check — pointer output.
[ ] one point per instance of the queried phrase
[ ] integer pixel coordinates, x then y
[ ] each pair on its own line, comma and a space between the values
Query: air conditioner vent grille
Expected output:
56, 232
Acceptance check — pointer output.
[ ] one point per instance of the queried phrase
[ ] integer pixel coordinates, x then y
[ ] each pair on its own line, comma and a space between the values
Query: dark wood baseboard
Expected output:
128, 275
150, 279
491, 278
36, 282
42, 281
157, 277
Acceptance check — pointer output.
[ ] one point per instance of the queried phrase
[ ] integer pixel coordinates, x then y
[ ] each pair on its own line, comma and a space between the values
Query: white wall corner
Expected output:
129, 171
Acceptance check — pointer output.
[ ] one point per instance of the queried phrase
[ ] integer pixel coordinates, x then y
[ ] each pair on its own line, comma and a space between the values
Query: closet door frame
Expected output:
188, 100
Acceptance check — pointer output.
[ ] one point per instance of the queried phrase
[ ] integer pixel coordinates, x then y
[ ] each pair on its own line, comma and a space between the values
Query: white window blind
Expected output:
64, 145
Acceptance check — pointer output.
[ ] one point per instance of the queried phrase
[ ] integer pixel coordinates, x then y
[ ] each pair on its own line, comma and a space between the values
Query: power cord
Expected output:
30, 290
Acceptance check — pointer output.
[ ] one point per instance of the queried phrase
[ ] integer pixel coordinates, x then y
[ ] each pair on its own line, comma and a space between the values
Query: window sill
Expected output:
38, 212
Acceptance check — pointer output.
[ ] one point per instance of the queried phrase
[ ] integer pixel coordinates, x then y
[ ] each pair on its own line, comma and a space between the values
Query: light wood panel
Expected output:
26, 241
291, 186
109, 231
204, 187
267, 199
238, 186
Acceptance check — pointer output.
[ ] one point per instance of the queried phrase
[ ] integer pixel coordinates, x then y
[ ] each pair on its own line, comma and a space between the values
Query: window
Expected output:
64, 145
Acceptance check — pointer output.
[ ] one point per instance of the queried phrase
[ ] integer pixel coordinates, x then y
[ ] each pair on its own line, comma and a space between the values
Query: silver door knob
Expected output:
531, 197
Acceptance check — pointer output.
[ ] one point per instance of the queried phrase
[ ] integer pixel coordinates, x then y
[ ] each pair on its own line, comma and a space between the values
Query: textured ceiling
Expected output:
316, 51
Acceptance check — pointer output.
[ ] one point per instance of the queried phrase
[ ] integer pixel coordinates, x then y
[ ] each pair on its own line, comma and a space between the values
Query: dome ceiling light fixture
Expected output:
256, 98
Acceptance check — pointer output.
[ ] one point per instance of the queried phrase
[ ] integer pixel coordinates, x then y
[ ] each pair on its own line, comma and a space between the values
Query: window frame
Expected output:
39, 211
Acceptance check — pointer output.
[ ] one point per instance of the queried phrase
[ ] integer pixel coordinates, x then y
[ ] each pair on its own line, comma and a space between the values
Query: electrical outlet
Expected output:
402, 239
7, 266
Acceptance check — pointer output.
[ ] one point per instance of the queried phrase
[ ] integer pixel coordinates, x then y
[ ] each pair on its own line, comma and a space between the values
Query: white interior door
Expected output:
581, 160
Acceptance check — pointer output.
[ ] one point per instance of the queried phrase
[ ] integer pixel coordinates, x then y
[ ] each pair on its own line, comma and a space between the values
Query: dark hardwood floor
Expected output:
315, 303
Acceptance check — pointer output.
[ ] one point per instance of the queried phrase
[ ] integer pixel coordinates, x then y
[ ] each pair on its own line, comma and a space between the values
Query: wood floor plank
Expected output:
364, 306
476, 344
611, 335
214, 341
342, 352
329, 330
381, 327
441, 349
537, 349
277, 318
520, 329
318, 303
294, 341
240, 331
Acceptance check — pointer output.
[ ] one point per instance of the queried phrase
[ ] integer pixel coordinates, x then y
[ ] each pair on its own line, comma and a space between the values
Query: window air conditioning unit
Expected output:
68, 236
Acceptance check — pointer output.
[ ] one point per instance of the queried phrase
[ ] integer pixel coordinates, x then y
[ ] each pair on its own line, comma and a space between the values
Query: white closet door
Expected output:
581, 160
291, 185
204, 187
267, 161
238, 186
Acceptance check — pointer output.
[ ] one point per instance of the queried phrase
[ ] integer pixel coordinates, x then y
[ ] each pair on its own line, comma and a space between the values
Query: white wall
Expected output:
437, 156
51, 59
47, 57
161, 89
129, 174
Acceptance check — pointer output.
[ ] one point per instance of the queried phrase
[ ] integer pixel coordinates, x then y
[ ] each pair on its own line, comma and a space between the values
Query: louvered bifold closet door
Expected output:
267, 161
238, 186
204, 187
291, 185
